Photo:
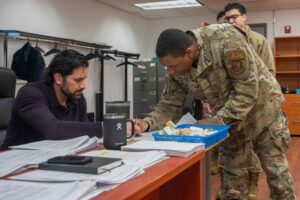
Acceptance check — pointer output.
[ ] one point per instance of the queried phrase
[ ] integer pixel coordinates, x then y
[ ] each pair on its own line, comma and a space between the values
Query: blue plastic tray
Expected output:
221, 133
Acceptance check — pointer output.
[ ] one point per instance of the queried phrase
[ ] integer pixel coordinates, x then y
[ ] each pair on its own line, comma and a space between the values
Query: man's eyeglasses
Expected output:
233, 17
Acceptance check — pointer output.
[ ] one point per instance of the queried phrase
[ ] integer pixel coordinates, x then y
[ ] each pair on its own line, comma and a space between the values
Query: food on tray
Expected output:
171, 129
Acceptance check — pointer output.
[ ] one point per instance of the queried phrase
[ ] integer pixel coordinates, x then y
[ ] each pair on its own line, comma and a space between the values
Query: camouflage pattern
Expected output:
242, 92
214, 160
234, 96
261, 46
270, 147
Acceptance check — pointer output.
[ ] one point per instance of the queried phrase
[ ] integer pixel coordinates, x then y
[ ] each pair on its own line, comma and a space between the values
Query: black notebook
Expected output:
81, 164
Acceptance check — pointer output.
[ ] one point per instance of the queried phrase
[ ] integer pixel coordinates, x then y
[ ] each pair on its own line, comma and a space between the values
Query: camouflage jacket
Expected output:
230, 76
261, 47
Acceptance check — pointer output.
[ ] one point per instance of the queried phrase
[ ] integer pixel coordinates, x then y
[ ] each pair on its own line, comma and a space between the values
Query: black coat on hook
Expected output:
28, 63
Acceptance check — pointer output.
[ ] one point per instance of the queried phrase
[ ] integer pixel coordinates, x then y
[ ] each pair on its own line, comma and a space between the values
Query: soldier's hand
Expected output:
140, 126
206, 109
129, 127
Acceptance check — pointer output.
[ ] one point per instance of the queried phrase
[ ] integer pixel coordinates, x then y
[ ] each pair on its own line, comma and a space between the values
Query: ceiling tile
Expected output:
168, 13
199, 11
210, 7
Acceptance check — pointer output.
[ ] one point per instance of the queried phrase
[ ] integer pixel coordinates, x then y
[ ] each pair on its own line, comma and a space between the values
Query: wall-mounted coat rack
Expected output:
126, 56
46, 39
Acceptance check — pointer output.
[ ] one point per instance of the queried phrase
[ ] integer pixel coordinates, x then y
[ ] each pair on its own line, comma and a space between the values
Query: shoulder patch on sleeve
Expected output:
237, 64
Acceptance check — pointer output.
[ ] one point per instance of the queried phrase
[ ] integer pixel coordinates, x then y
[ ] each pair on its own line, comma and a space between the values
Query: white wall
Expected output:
85, 20
184, 23
276, 21
287, 17
282, 18
263, 17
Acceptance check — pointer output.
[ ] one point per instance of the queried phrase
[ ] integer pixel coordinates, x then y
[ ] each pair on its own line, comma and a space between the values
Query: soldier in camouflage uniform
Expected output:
236, 14
221, 17
220, 68
206, 110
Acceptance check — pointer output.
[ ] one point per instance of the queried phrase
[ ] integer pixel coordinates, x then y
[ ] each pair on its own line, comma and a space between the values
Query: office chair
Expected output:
7, 94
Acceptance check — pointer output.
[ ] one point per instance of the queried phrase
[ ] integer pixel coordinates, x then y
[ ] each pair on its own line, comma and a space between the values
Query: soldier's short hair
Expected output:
237, 6
173, 42
220, 14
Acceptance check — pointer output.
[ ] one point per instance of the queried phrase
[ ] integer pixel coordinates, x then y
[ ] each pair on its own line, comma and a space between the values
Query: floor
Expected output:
293, 156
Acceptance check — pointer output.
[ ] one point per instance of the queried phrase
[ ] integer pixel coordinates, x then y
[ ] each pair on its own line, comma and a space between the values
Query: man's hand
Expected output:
140, 126
206, 109
129, 127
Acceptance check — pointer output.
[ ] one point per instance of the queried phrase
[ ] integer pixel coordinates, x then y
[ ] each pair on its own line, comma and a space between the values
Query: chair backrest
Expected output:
7, 94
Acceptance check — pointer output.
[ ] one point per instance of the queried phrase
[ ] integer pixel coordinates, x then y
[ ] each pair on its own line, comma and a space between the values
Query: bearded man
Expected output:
53, 108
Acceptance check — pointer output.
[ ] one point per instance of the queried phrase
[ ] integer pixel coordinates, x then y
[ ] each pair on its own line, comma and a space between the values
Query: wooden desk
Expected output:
173, 178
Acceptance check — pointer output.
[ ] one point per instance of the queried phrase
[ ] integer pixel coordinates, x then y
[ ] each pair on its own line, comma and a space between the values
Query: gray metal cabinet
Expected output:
148, 84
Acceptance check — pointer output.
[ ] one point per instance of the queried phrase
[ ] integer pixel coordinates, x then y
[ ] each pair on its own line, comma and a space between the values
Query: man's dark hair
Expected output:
64, 63
220, 14
173, 42
237, 6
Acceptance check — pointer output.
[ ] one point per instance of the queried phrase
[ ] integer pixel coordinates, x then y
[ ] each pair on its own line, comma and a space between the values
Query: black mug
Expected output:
115, 131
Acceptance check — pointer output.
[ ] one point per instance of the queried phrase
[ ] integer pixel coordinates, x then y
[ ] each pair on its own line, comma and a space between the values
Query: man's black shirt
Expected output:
37, 115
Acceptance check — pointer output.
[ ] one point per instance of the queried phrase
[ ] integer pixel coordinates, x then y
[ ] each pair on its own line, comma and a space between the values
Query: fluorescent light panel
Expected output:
168, 4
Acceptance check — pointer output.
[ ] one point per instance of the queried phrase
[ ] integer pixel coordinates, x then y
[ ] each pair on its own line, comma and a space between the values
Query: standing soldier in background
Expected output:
221, 17
217, 65
235, 14
206, 111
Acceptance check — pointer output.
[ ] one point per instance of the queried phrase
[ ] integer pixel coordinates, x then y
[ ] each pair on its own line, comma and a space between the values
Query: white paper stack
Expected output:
45, 184
69, 146
135, 162
181, 149
16, 160
115, 176
18, 190
31, 154
141, 159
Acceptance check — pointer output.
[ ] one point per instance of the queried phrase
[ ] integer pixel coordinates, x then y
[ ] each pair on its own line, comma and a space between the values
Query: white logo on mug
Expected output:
119, 126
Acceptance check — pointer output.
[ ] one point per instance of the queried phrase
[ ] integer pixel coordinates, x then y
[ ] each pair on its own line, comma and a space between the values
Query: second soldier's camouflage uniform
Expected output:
242, 93
261, 46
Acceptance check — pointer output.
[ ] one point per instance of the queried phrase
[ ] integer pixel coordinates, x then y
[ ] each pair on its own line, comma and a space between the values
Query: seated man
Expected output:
53, 108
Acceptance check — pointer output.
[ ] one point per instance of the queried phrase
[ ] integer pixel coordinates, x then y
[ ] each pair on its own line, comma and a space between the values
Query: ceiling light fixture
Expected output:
169, 4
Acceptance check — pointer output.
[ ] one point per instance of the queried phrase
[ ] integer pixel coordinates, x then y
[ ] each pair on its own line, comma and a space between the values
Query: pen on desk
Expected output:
134, 126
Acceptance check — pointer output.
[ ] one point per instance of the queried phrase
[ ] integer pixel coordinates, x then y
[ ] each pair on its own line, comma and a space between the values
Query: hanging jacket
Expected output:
28, 63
